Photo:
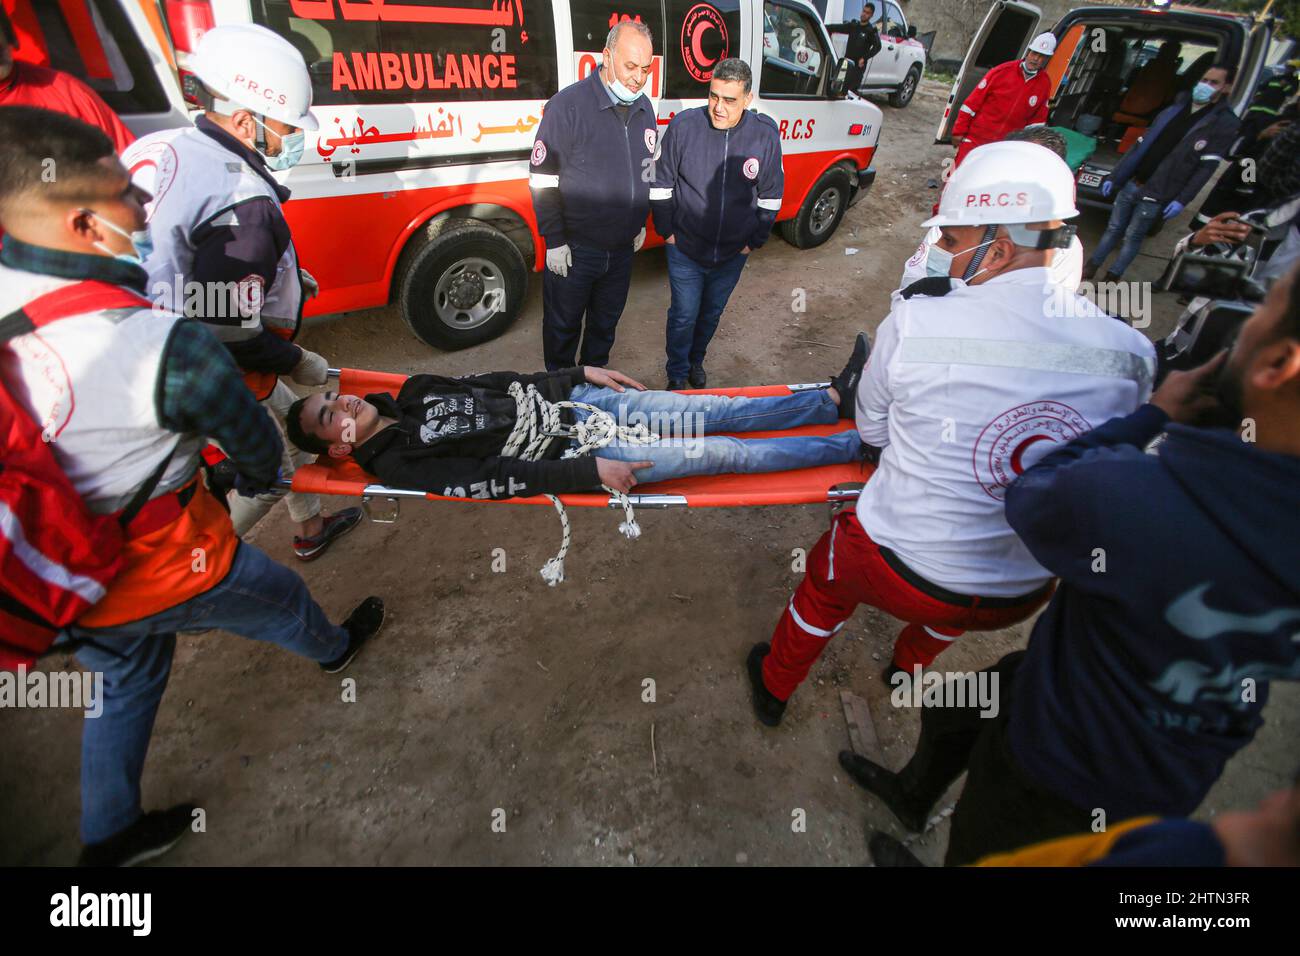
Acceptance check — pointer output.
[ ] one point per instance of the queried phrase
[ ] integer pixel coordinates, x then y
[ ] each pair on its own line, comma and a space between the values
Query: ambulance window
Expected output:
592, 21
794, 58
506, 53
1006, 38
94, 41
699, 35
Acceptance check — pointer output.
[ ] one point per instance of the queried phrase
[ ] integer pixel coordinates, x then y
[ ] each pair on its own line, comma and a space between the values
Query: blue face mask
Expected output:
938, 262
291, 148
1202, 93
618, 89
141, 242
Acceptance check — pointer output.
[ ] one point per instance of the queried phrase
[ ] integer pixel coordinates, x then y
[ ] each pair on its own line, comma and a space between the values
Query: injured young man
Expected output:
505, 434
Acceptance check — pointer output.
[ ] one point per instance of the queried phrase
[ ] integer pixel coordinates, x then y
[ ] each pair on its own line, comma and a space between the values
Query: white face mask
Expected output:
291, 148
141, 241
938, 263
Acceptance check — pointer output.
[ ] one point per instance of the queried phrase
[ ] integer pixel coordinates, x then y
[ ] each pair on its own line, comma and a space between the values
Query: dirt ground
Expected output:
491, 692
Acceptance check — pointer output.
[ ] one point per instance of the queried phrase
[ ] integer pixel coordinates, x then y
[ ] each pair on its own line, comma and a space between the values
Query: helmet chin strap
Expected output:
973, 266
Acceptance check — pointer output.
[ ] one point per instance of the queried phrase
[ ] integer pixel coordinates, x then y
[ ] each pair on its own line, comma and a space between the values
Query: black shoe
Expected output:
884, 784
767, 707
362, 624
150, 836
1113, 277
1089, 270
676, 385
697, 378
846, 383
887, 675
886, 851
332, 527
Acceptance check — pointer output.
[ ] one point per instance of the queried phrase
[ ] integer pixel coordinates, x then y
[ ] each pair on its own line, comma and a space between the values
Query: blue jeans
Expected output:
698, 297
683, 421
593, 293
1131, 217
258, 599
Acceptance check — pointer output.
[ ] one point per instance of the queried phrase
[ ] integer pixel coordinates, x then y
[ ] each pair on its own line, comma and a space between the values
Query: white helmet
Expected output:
1044, 43
254, 68
1005, 184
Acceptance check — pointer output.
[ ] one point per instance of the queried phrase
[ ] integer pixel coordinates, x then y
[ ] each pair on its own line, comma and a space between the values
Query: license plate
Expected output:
1089, 179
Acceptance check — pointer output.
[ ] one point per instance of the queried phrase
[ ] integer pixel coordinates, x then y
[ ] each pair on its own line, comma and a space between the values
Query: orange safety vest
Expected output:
172, 553
262, 384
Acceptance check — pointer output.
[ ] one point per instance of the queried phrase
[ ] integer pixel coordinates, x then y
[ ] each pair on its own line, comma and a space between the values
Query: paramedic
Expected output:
220, 230
590, 181
1159, 176
717, 190
150, 390
962, 392
1011, 96
27, 84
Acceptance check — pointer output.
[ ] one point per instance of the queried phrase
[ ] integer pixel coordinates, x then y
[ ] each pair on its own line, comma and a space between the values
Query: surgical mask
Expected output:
938, 262
619, 90
1024, 65
291, 148
141, 242
1202, 93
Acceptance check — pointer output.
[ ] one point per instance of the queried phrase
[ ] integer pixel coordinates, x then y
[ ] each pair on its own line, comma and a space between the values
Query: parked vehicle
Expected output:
415, 189
898, 67
1108, 80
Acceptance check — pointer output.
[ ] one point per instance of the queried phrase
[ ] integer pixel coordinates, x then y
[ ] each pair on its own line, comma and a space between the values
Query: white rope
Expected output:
538, 423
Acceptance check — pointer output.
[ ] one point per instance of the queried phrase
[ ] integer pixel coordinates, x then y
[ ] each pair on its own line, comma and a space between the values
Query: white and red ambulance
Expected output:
418, 177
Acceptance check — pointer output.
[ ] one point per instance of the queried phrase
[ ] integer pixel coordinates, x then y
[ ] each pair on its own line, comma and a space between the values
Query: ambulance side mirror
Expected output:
839, 78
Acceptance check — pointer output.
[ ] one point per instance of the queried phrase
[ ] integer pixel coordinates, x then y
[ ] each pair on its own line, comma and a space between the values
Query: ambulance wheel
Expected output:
907, 89
821, 211
463, 288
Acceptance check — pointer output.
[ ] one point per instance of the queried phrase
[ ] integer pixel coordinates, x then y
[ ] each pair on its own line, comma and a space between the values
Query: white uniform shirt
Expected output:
965, 391
1066, 267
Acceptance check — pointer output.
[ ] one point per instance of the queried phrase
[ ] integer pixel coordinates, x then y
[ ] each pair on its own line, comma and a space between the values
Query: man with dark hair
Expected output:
1159, 176
463, 437
717, 189
862, 44
1144, 675
150, 390
27, 84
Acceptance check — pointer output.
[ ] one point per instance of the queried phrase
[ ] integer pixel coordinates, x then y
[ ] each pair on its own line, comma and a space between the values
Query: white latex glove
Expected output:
639, 241
310, 287
312, 369
559, 259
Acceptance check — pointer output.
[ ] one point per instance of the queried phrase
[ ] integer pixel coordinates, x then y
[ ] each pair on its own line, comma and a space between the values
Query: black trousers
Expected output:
1000, 808
854, 78
595, 290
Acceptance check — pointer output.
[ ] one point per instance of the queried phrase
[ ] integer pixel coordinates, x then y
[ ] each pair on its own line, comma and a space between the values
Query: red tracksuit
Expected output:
846, 569
1003, 102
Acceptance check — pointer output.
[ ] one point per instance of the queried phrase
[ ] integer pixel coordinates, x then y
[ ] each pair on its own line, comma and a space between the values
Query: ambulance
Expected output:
1109, 77
415, 188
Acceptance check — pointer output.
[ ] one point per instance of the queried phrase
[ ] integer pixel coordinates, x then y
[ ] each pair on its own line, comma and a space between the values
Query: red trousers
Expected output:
846, 569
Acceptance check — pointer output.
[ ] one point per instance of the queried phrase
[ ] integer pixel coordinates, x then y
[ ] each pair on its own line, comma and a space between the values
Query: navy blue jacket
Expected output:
717, 190
1142, 679
1192, 162
590, 174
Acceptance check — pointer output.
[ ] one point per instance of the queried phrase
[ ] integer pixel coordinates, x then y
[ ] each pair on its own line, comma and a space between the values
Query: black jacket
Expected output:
450, 432
590, 172
863, 42
717, 190
1191, 163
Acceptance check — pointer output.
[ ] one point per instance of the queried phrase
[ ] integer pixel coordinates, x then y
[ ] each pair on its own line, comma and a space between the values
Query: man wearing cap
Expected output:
1011, 96
973, 377
590, 181
224, 254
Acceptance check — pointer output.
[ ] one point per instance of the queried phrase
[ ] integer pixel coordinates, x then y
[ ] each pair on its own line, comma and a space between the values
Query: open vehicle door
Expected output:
1252, 66
1004, 35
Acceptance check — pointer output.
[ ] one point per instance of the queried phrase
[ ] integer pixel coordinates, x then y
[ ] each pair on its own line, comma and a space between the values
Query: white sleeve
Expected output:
875, 394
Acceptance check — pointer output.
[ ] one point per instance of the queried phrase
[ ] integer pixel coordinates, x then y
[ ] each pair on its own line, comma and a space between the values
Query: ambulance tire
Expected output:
464, 288
907, 89
821, 212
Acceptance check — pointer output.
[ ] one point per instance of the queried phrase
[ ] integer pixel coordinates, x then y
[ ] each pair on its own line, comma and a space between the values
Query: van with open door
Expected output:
1114, 70
415, 188
897, 68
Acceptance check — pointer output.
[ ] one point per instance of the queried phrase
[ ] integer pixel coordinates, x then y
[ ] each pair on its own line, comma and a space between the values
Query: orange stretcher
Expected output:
824, 483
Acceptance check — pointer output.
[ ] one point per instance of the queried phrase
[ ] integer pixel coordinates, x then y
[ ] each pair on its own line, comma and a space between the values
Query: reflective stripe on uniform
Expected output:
967, 109
937, 636
1029, 356
661, 192
773, 204
543, 181
51, 572
814, 631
